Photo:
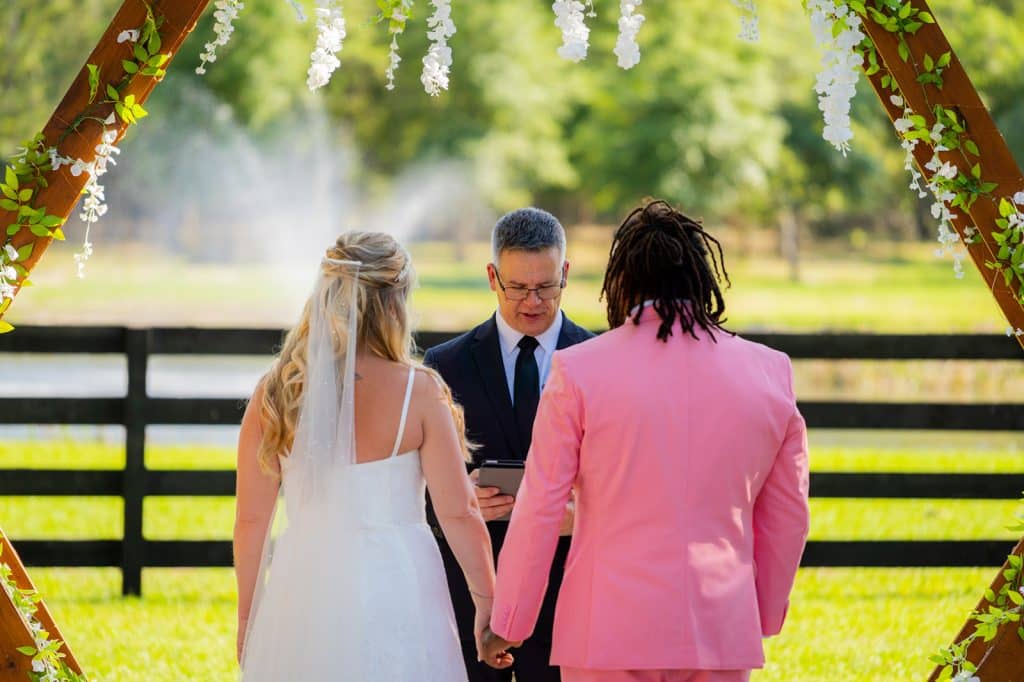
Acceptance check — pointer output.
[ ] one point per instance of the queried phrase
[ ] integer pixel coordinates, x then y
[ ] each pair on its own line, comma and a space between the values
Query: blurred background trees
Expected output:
728, 130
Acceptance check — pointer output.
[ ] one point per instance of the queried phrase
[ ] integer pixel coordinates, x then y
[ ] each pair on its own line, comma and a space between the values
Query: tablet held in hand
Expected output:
504, 474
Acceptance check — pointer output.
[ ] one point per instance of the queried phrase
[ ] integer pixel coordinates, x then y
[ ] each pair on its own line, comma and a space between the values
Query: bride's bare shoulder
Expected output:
255, 403
428, 383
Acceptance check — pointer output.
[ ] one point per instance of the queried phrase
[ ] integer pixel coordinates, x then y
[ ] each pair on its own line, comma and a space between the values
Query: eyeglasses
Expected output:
522, 293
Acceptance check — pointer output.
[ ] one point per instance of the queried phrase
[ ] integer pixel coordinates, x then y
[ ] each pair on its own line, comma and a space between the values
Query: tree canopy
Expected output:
725, 128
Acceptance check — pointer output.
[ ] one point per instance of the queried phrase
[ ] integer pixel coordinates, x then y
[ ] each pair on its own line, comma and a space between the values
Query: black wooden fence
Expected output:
136, 410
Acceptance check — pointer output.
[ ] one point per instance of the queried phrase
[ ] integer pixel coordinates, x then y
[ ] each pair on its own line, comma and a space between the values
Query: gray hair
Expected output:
527, 229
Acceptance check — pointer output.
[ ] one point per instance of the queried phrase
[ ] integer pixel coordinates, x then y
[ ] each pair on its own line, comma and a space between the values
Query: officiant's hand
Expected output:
493, 505
493, 650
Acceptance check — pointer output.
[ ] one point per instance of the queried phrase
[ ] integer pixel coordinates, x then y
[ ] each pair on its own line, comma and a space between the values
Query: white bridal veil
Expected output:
324, 442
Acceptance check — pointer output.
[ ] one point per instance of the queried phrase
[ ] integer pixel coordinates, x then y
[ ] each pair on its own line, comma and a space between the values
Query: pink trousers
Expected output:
590, 675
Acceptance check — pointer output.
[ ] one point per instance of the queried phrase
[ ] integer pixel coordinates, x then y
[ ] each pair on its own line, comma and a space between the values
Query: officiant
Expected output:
497, 372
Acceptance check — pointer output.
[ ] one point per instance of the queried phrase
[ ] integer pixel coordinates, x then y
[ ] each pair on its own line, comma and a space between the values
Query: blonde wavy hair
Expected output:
385, 279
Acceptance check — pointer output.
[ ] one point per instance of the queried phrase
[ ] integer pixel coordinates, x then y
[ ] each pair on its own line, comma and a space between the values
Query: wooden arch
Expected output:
1003, 659
60, 198
14, 629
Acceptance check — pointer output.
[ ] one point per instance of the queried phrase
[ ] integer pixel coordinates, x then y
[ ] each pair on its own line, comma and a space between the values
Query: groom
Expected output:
497, 372
686, 454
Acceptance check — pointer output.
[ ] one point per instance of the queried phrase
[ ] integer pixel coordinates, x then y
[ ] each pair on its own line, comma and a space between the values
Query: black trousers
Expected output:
531, 659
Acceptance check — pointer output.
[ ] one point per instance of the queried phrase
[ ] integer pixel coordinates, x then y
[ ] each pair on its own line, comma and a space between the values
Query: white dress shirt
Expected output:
508, 339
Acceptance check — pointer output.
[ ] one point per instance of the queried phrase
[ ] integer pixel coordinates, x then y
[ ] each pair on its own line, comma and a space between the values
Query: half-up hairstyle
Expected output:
384, 281
660, 255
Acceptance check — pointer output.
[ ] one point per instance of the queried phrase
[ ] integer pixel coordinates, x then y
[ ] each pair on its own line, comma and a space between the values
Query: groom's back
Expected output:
678, 439
689, 407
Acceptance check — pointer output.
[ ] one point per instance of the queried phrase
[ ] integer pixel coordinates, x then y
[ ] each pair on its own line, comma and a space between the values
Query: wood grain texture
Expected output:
1002, 659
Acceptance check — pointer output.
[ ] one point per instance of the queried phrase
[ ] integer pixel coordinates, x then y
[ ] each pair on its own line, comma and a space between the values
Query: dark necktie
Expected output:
526, 391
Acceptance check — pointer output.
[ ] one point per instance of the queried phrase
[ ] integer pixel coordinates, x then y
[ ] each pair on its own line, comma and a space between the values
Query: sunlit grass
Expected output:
901, 287
182, 629
844, 625
860, 624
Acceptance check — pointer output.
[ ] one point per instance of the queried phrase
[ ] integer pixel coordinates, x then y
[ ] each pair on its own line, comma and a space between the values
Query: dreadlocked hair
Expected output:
660, 255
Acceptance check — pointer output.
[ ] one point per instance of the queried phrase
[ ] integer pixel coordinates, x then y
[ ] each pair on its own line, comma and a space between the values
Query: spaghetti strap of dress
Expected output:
405, 411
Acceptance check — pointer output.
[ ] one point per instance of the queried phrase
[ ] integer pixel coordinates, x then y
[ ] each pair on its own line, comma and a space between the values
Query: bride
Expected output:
343, 580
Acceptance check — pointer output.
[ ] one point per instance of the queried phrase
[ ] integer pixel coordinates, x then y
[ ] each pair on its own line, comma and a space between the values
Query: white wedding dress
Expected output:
355, 590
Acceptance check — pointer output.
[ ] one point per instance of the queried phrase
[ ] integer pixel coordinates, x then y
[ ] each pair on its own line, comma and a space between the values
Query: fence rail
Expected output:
136, 410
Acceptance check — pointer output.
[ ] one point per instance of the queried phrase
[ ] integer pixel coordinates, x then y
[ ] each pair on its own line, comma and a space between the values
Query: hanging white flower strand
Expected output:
947, 237
626, 47
394, 59
749, 29
8, 275
841, 65
330, 26
300, 11
575, 34
93, 206
224, 27
438, 60
396, 15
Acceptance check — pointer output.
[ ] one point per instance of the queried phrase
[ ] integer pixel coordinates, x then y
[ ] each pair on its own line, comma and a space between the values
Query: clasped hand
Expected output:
493, 649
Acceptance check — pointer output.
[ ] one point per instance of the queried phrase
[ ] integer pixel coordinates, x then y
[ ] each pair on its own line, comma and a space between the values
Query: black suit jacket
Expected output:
472, 366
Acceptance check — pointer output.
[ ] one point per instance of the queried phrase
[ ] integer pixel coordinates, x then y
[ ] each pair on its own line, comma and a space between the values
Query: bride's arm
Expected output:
453, 497
254, 497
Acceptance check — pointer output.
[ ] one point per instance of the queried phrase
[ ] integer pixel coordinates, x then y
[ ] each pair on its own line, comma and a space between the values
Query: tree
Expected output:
42, 46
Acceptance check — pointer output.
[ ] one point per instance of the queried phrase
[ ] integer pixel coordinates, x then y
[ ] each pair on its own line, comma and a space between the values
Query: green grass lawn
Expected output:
844, 624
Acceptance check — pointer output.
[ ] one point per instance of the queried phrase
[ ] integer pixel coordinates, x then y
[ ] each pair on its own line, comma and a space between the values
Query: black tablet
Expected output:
504, 474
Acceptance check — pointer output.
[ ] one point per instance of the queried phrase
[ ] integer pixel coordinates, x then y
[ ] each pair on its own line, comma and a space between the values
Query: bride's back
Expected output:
380, 390
357, 566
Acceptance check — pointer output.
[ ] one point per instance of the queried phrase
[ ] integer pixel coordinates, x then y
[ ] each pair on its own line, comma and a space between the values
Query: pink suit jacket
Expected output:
689, 464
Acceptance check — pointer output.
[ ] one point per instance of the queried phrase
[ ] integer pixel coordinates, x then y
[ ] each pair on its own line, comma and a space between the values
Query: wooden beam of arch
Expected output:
1003, 658
60, 198
14, 630
958, 94
64, 191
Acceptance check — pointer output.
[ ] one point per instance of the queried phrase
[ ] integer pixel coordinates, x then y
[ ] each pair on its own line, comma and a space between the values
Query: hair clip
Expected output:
336, 261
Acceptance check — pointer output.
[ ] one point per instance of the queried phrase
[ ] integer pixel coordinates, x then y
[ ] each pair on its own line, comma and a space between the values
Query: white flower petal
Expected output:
223, 28
626, 48
841, 66
575, 34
